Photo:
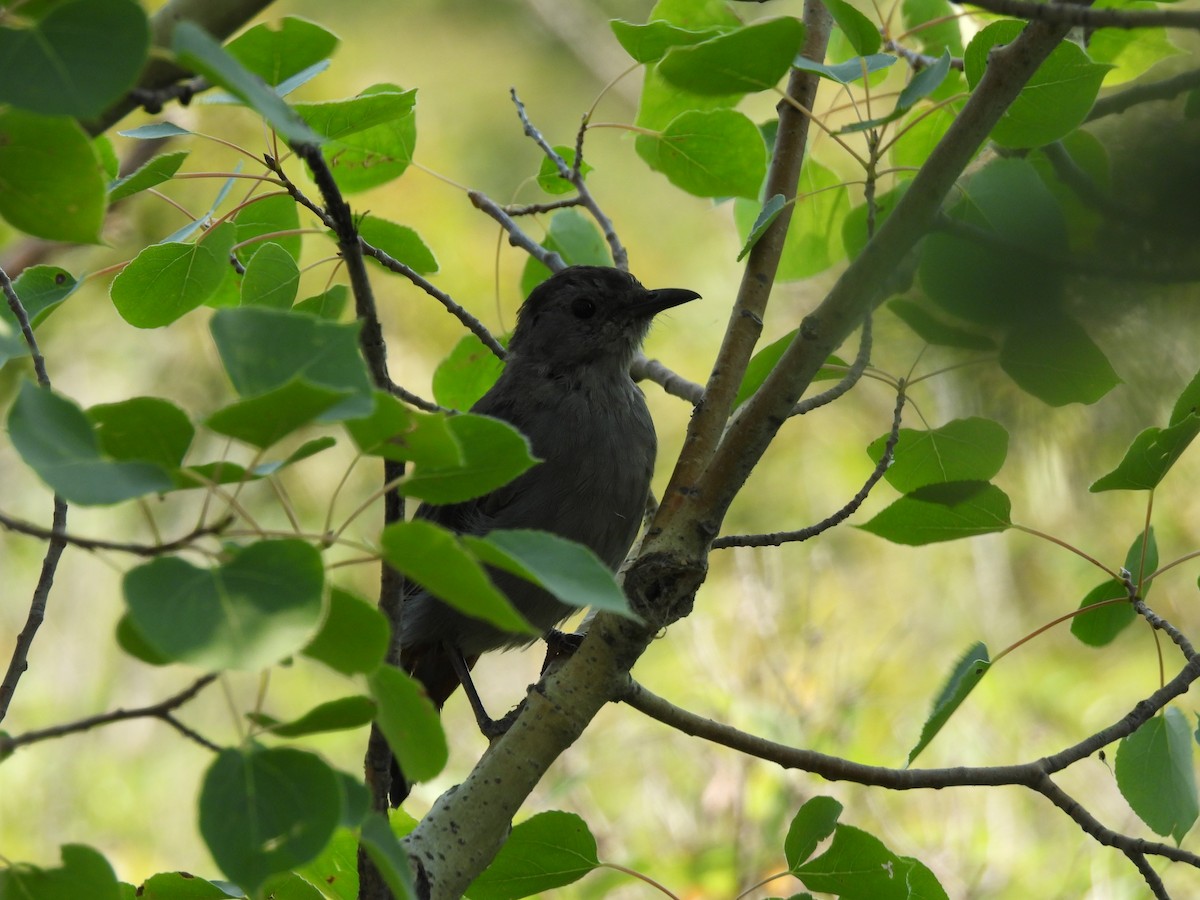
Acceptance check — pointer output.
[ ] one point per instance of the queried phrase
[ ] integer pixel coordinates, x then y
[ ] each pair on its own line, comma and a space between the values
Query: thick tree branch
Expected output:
467, 824
1081, 16
860, 287
746, 318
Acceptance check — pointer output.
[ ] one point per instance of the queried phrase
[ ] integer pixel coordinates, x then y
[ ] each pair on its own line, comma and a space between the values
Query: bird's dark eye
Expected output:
583, 308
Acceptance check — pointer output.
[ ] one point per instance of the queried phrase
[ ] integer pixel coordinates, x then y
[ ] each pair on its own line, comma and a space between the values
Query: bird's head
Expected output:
588, 315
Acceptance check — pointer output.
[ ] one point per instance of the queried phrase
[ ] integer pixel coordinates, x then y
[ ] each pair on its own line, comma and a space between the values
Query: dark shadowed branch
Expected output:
163, 710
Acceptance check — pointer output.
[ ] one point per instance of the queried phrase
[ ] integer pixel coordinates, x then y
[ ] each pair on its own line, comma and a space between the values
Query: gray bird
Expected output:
566, 387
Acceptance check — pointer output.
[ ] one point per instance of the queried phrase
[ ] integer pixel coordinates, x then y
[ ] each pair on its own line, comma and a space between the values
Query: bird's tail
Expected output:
434, 667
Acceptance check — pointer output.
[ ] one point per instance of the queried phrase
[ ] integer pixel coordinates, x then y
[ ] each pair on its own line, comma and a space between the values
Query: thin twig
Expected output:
1034, 775
916, 59
49, 534
516, 236
19, 661
803, 534
161, 710
394, 265
849, 380
676, 385
574, 175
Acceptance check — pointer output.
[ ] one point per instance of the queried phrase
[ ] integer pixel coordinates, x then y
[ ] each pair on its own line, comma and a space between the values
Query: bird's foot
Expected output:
560, 646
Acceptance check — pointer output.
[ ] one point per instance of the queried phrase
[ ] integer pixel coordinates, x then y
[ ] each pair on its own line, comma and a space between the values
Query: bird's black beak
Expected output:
664, 298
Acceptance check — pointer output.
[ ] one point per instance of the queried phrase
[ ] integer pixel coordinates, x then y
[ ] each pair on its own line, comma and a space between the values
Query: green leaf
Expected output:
55, 438
924, 83
857, 866
376, 155
1155, 774
1130, 52
437, 560
849, 71
1054, 359
275, 51
56, 66
933, 330
750, 59
813, 822
337, 119
143, 429
264, 811
267, 216
196, 49
1053, 103
714, 153
1186, 404
271, 278
467, 373
862, 34
648, 43
166, 281
135, 644
84, 873
336, 867
389, 857
149, 174
549, 179
769, 213
939, 26
41, 289
1100, 626
261, 606
814, 238
493, 454
546, 851
154, 131
575, 238
943, 512
990, 282
568, 570
264, 349
765, 360
410, 723
354, 636
179, 886
970, 449
265, 419
967, 673
53, 185
334, 715
329, 304
1150, 457
399, 242
393, 431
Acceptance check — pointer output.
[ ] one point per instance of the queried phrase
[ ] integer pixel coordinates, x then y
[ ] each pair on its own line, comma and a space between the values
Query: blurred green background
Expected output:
837, 645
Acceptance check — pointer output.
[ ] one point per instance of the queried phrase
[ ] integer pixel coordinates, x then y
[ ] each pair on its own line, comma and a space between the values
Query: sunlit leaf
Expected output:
967, 673
1156, 776
546, 851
